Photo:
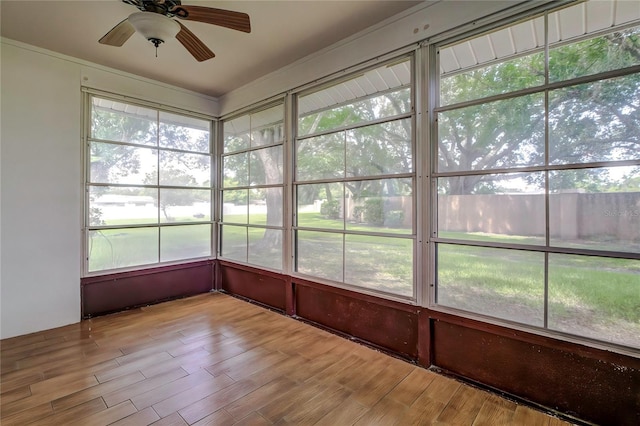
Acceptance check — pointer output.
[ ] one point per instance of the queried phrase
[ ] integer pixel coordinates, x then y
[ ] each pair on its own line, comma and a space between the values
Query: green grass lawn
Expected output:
610, 285
120, 248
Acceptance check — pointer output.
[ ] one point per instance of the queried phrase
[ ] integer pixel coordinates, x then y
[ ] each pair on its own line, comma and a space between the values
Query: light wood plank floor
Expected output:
216, 360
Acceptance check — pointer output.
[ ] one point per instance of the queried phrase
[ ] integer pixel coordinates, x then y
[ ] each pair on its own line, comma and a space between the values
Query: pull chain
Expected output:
156, 42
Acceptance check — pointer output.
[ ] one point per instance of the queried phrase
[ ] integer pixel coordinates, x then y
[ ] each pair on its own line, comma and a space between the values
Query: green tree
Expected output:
262, 166
377, 149
109, 162
266, 167
180, 196
113, 163
597, 121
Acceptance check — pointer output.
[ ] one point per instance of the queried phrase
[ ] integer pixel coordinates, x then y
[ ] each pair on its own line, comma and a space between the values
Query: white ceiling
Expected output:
282, 32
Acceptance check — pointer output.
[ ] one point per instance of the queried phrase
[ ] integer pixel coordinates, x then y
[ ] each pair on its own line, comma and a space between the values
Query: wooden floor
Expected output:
217, 360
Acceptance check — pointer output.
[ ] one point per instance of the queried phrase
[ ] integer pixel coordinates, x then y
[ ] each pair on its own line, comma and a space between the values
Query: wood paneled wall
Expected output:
115, 292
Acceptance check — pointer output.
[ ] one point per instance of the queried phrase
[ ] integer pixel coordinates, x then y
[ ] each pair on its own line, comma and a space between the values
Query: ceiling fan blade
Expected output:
224, 18
118, 34
193, 44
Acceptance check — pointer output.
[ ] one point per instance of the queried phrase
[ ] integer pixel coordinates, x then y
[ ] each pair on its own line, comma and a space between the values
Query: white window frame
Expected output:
432, 66
88, 95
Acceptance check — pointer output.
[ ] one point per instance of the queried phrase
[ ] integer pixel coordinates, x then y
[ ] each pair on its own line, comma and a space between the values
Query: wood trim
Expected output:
534, 339
566, 381
267, 288
360, 296
115, 292
253, 269
146, 271
290, 298
392, 328
425, 350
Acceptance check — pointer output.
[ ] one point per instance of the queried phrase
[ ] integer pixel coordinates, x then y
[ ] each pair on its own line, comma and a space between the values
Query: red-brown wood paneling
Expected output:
387, 324
115, 292
591, 384
267, 288
425, 350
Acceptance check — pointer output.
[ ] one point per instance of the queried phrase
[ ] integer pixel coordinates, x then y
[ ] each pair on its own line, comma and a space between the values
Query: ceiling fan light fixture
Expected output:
154, 27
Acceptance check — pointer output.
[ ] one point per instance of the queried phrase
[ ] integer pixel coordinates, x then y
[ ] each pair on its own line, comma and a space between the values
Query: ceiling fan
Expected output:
155, 23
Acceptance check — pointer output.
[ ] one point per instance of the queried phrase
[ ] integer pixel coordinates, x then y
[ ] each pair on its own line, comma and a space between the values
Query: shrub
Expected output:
374, 211
358, 213
394, 218
330, 209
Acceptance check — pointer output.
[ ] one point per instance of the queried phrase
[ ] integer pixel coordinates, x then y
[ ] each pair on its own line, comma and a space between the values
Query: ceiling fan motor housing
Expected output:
168, 8
154, 27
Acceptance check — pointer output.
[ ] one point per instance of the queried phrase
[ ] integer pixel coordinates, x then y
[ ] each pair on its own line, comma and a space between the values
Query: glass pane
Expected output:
267, 126
595, 208
468, 69
600, 54
180, 169
595, 297
236, 133
185, 242
109, 205
369, 109
379, 149
266, 166
505, 208
236, 170
320, 205
507, 284
265, 247
380, 206
597, 121
119, 122
320, 254
321, 157
233, 242
504, 77
123, 164
384, 264
185, 205
357, 100
235, 205
501, 134
120, 248
185, 133
265, 206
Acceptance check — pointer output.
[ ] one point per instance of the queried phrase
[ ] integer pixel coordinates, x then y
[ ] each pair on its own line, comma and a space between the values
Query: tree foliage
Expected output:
114, 163
590, 122
369, 150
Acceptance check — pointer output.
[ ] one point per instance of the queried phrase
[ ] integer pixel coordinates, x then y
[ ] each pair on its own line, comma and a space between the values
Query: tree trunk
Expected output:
273, 196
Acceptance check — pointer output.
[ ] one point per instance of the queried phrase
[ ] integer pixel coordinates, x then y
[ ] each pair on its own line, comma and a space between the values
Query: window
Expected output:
252, 224
354, 181
148, 186
538, 174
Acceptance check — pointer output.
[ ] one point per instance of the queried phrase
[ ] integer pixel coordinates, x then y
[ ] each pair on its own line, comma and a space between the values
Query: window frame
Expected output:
220, 223
547, 249
88, 95
410, 55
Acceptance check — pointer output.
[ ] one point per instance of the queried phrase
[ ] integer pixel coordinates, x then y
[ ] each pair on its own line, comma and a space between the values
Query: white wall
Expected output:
40, 192
41, 179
